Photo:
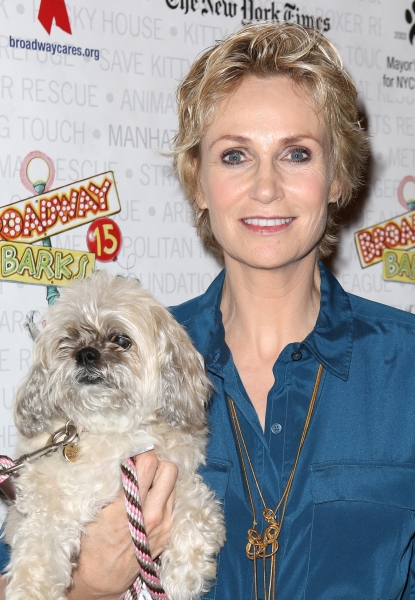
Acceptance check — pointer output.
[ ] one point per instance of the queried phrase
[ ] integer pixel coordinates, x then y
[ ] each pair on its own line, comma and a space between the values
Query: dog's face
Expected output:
110, 354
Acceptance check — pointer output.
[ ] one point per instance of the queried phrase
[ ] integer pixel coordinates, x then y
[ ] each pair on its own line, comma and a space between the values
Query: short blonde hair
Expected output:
266, 50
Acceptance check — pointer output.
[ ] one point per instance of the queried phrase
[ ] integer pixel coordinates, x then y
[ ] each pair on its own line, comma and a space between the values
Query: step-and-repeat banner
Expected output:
86, 105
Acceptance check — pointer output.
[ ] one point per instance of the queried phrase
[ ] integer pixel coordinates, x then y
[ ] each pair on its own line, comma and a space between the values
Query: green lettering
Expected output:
27, 262
392, 266
9, 262
61, 265
44, 260
405, 266
83, 262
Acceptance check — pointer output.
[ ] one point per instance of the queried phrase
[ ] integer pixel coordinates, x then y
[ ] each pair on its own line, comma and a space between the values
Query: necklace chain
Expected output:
266, 546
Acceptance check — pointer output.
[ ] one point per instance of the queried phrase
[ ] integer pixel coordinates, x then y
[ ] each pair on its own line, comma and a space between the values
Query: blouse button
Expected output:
276, 428
297, 355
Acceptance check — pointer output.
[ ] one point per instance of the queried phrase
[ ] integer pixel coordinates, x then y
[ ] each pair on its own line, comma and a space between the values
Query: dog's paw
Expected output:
198, 532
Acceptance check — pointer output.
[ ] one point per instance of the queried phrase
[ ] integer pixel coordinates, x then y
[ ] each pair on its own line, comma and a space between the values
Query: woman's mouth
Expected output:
267, 225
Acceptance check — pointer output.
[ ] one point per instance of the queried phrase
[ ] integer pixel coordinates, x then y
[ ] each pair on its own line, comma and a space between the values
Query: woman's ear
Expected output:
200, 198
334, 192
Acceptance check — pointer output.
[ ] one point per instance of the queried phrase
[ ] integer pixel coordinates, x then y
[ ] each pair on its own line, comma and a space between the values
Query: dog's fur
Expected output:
122, 399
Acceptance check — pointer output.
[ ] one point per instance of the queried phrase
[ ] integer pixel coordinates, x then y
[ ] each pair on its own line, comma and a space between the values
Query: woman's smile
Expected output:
266, 225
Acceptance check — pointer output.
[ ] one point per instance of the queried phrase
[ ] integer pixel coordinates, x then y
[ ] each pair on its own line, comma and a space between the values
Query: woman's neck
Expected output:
267, 309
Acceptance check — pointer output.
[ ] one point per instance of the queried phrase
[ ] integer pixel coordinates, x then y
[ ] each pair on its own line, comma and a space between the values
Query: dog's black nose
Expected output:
87, 356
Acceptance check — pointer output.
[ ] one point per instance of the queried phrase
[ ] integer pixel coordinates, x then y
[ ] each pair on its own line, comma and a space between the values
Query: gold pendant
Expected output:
257, 546
266, 547
71, 452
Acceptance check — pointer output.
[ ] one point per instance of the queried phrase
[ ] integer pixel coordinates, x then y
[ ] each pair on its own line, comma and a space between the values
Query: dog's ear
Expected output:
185, 388
32, 414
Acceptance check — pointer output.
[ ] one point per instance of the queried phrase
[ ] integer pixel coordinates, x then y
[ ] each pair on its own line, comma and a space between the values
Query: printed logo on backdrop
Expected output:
409, 33
54, 10
390, 241
249, 10
400, 73
410, 19
51, 212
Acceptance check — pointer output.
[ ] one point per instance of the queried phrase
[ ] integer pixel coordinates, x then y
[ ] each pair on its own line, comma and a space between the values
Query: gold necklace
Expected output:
266, 546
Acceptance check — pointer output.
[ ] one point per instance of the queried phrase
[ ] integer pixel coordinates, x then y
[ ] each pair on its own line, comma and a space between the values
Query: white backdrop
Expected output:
114, 109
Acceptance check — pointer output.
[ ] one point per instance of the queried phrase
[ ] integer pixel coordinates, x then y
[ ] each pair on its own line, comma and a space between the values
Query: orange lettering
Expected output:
11, 224
31, 221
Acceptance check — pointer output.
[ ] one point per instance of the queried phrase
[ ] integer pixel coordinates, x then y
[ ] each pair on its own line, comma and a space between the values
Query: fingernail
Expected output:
147, 449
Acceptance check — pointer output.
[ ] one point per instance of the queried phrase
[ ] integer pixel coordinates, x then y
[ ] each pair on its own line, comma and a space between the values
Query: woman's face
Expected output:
265, 175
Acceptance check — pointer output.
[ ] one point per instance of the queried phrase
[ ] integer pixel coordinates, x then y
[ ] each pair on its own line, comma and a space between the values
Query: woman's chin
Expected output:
270, 261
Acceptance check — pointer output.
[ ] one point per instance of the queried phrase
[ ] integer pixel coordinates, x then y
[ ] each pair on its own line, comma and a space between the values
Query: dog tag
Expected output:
71, 452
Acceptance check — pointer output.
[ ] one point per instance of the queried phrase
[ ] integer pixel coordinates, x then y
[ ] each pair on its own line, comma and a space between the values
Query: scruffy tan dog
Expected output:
113, 361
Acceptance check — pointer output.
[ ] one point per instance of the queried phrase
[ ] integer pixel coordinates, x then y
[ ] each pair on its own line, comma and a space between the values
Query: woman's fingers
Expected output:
146, 466
157, 482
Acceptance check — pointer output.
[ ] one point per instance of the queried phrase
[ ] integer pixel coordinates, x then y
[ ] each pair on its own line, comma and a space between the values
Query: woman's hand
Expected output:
2, 587
107, 563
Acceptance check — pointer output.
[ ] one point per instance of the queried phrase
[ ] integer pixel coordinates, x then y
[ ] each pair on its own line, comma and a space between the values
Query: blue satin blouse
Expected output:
349, 526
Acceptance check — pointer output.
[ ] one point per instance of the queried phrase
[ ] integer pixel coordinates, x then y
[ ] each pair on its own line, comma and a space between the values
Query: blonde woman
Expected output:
312, 440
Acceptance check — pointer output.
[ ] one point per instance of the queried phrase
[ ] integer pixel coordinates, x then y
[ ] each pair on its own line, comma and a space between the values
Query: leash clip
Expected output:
61, 437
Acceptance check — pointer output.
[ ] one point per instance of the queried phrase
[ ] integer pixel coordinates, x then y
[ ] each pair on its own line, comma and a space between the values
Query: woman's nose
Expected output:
267, 184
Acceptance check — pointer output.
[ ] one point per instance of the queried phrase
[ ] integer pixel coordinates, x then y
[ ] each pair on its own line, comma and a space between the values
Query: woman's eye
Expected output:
298, 155
121, 340
233, 157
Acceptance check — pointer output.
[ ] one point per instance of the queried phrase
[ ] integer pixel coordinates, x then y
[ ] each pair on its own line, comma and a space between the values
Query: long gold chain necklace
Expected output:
266, 546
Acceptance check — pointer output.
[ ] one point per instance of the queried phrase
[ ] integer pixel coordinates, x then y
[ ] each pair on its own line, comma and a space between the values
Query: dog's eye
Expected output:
63, 342
121, 340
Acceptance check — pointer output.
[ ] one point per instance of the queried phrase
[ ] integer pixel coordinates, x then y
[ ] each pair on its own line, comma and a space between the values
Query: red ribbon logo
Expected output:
54, 9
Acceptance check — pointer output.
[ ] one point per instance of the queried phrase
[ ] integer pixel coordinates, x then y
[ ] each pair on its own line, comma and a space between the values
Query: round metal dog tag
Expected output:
71, 452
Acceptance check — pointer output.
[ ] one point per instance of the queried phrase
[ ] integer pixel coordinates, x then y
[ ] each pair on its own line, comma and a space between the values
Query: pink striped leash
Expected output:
5, 463
149, 571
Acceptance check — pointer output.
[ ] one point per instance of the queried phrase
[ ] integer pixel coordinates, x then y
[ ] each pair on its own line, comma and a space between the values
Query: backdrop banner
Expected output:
87, 109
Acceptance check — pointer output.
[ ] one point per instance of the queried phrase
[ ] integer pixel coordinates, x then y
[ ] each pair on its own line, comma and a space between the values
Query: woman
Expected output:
312, 446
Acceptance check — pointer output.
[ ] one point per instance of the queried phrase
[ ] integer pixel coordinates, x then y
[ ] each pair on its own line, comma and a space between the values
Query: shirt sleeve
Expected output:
4, 556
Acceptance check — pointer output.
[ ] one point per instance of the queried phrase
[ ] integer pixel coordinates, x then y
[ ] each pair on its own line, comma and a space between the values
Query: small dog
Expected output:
112, 360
